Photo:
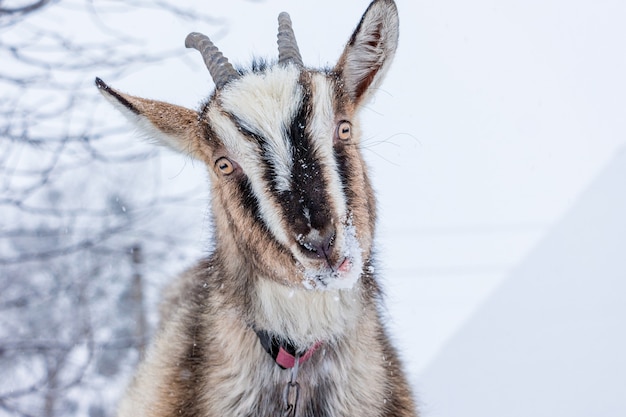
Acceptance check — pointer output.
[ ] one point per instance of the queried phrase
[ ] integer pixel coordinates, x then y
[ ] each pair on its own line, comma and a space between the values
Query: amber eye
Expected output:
225, 165
344, 130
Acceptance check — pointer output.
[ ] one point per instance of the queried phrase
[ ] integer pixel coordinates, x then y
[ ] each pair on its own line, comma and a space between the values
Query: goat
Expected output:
283, 317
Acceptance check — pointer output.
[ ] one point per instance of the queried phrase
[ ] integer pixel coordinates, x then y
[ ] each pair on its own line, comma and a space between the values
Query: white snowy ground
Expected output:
495, 118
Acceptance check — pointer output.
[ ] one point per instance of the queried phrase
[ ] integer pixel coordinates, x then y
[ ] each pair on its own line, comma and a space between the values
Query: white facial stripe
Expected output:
246, 155
322, 130
265, 104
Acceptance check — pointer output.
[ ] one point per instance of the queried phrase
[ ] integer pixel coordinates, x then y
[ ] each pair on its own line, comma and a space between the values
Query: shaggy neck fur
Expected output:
303, 316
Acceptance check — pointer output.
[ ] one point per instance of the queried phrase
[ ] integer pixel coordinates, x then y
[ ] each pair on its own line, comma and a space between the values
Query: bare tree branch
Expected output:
22, 10
65, 231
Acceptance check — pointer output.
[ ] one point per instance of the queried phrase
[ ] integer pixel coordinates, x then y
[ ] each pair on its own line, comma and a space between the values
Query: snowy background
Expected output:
497, 149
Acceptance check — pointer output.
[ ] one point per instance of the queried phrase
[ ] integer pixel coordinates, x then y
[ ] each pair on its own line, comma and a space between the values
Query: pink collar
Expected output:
283, 351
286, 360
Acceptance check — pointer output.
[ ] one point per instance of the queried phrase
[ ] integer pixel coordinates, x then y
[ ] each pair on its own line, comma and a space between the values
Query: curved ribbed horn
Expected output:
287, 46
220, 69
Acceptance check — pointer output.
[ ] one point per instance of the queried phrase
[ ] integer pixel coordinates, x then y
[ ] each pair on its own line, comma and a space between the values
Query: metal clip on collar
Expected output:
292, 391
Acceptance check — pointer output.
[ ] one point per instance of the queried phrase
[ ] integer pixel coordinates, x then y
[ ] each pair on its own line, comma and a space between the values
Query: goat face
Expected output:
291, 196
287, 166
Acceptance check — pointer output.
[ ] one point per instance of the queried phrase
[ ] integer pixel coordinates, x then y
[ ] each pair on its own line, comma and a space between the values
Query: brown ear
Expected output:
170, 125
369, 52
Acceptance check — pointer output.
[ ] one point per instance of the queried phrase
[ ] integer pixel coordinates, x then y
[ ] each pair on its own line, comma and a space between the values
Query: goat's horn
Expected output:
220, 69
287, 46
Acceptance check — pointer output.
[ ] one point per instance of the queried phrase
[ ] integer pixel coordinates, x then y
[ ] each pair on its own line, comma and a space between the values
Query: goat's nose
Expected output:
318, 243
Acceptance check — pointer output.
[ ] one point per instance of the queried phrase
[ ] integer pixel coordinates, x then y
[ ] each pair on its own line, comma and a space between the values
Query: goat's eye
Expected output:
344, 130
225, 165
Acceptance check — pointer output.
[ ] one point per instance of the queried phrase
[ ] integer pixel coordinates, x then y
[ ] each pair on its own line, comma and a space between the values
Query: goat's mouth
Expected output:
345, 266
340, 274
343, 276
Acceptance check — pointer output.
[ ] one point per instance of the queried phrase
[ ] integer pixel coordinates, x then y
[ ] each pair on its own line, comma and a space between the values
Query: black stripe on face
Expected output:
344, 168
308, 195
342, 150
269, 171
249, 201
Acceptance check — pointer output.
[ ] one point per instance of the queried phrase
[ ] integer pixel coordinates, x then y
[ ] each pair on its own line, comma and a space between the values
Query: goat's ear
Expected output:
167, 124
369, 52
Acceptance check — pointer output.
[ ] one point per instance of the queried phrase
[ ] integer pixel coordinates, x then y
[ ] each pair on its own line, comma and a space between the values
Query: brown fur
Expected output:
267, 270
